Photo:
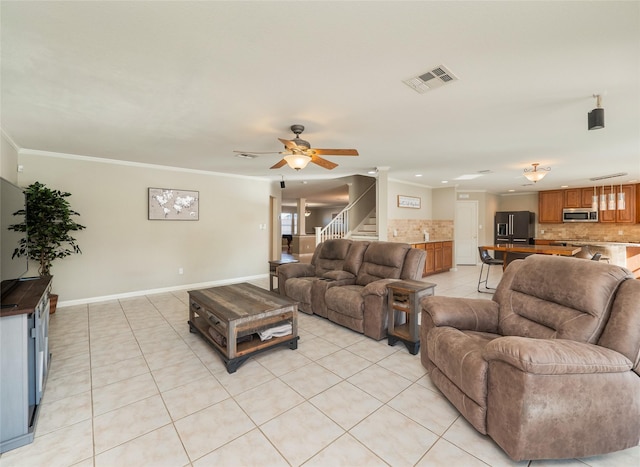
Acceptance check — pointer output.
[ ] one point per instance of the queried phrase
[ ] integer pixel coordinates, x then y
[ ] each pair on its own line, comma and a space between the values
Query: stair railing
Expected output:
339, 225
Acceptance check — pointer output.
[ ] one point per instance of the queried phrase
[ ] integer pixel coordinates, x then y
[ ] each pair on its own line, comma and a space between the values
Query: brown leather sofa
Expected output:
346, 281
550, 367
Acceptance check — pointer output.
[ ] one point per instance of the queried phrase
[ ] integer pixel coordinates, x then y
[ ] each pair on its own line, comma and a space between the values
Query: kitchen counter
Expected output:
581, 242
623, 254
431, 240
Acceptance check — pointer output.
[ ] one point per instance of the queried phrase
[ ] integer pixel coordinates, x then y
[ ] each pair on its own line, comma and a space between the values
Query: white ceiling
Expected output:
185, 84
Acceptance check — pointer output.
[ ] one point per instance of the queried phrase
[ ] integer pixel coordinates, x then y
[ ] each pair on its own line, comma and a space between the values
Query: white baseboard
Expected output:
138, 293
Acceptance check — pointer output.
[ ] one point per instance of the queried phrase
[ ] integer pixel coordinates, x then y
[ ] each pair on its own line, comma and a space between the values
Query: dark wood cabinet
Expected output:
550, 205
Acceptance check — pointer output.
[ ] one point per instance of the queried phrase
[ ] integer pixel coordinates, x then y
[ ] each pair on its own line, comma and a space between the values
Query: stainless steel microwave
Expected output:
579, 215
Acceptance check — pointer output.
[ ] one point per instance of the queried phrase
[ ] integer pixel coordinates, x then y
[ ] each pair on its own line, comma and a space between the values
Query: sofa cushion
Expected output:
346, 300
331, 256
458, 355
555, 297
354, 258
382, 260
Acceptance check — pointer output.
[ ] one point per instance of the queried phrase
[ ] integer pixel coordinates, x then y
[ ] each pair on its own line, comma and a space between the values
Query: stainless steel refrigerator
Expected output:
514, 227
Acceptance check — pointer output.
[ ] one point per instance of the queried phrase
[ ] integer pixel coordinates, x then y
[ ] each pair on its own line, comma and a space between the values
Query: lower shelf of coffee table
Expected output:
244, 348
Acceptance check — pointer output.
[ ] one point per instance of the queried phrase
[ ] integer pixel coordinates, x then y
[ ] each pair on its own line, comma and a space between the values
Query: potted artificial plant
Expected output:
48, 223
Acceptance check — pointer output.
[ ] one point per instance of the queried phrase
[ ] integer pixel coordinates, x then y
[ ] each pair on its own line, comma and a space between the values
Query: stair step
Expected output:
369, 238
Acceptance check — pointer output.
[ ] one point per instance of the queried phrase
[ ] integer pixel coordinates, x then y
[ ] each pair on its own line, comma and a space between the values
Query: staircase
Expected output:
339, 225
367, 230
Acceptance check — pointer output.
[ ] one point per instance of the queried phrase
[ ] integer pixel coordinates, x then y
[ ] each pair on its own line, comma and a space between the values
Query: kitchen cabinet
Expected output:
439, 256
430, 262
447, 255
573, 198
587, 197
551, 203
550, 206
578, 197
628, 214
621, 216
637, 201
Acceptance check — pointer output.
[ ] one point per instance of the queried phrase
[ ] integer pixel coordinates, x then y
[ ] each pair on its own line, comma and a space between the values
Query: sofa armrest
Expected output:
555, 356
288, 271
378, 287
468, 314
340, 275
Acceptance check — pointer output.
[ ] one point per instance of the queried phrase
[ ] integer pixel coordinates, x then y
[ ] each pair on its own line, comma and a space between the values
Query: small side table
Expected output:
404, 297
273, 271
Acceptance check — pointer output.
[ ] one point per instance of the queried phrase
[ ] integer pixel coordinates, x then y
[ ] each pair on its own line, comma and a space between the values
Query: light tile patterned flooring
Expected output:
130, 386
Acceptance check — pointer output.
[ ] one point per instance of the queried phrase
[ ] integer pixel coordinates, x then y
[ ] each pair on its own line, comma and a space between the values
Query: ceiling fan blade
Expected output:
323, 162
281, 163
288, 143
335, 152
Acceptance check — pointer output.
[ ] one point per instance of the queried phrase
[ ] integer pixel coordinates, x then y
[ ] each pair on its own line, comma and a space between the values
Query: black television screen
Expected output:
12, 199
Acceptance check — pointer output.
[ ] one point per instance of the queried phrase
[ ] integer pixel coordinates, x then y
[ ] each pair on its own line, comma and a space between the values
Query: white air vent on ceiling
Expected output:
435, 78
605, 177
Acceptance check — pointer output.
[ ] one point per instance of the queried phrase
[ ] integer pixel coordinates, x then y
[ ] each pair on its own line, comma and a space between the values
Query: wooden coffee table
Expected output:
230, 317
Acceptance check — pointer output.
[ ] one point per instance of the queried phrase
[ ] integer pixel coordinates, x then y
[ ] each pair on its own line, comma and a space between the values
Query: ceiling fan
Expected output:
298, 152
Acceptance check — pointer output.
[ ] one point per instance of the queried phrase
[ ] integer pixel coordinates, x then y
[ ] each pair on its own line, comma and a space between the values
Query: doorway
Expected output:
466, 232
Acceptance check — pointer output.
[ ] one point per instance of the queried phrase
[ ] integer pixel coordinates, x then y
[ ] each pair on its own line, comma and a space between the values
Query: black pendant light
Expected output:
595, 118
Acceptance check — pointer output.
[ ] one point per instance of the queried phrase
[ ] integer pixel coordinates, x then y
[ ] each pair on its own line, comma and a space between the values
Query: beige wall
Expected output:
444, 203
396, 188
8, 159
125, 253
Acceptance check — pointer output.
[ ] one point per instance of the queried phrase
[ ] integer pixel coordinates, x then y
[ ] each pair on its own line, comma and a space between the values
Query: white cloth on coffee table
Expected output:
276, 331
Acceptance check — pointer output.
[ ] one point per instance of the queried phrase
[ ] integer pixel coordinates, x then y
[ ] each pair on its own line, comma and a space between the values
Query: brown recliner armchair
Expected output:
549, 368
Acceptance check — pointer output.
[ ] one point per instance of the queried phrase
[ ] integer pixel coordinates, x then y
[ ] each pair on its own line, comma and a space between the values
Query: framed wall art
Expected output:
172, 204
408, 202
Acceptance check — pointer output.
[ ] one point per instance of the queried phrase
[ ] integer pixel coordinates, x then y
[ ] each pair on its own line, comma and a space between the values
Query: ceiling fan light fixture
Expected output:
297, 161
536, 174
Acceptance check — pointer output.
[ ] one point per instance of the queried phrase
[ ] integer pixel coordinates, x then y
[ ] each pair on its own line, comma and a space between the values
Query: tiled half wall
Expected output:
411, 230
622, 233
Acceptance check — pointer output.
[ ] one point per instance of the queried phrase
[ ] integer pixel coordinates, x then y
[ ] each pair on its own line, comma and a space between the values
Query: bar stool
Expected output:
489, 260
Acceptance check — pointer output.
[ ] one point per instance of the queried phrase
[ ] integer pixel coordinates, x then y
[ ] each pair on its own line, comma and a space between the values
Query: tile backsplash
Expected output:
410, 230
621, 233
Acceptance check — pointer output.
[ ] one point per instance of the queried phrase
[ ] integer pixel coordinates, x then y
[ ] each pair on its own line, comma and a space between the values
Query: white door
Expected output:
466, 232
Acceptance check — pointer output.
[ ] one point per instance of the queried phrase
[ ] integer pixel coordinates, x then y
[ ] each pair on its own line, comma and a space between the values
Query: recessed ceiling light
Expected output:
418, 175
564, 186
511, 191
444, 181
